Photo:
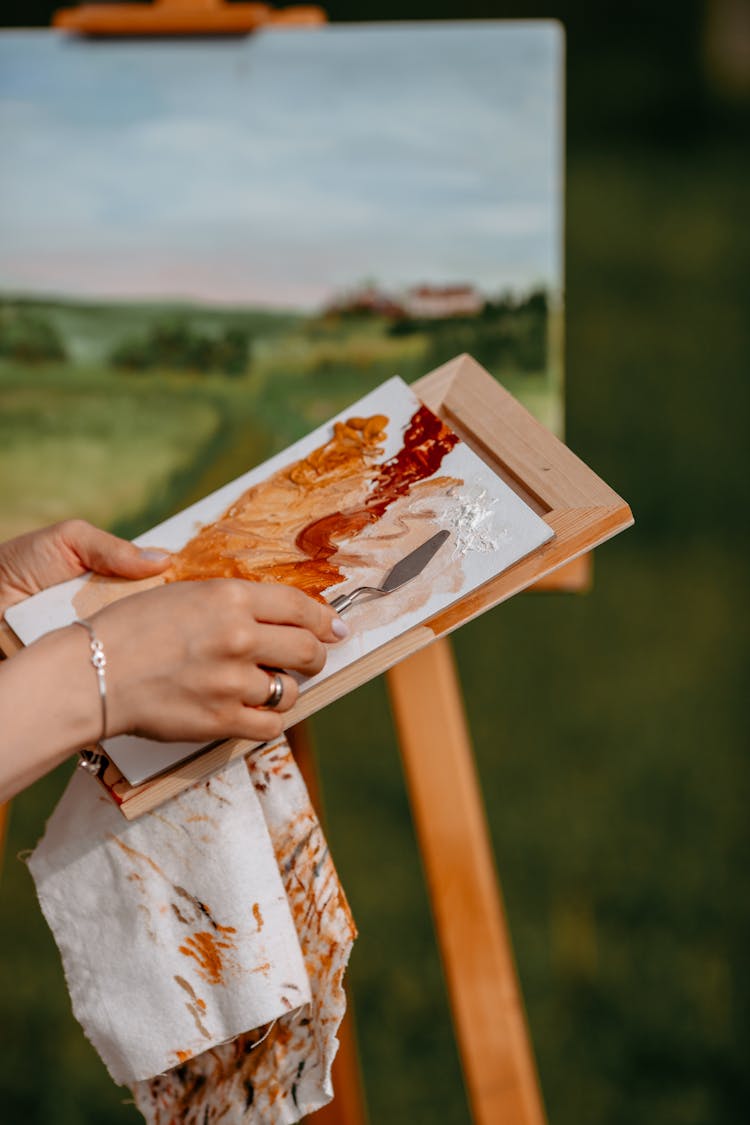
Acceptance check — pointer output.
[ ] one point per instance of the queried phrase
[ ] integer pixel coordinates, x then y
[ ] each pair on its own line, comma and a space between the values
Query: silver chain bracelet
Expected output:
91, 760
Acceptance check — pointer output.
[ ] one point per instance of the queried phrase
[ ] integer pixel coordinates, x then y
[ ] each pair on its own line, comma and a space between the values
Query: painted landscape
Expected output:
124, 412
243, 239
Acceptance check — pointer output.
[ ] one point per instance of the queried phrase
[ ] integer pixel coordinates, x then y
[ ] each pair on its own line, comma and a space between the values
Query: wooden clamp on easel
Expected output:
183, 17
472, 932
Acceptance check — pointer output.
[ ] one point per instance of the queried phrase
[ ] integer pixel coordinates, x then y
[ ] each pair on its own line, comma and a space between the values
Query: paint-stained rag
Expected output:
204, 944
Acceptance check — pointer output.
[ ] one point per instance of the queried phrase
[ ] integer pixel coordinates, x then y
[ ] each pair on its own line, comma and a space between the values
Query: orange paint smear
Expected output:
206, 949
257, 916
135, 854
275, 531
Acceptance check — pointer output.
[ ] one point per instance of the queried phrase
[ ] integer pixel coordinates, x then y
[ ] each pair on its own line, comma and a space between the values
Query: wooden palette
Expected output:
580, 508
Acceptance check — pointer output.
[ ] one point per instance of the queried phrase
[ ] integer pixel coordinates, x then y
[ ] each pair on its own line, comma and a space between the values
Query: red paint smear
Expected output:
427, 440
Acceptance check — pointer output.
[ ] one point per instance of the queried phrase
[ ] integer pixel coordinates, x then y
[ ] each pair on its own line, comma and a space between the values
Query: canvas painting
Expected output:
333, 513
208, 248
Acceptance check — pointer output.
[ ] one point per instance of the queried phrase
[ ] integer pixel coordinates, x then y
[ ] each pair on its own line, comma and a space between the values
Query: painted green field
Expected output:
124, 413
73, 450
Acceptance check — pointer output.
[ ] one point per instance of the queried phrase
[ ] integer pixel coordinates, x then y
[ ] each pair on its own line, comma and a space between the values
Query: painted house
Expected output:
368, 299
427, 302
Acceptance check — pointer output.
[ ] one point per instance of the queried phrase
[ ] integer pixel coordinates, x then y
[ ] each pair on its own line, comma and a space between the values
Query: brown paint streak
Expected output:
199, 907
257, 916
186, 985
196, 1014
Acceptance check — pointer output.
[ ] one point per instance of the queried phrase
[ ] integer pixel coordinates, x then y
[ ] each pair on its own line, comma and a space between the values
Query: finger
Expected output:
277, 604
286, 646
256, 725
107, 554
259, 687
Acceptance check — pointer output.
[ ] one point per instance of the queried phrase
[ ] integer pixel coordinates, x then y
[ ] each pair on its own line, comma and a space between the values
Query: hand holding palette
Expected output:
334, 512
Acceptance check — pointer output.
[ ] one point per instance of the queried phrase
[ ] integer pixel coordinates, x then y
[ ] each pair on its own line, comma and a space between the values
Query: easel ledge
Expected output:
581, 509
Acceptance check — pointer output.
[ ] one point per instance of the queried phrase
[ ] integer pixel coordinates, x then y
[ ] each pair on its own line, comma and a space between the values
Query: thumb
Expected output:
109, 555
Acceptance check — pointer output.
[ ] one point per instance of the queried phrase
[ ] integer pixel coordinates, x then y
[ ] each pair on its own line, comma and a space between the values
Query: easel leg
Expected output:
348, 1106
485, 997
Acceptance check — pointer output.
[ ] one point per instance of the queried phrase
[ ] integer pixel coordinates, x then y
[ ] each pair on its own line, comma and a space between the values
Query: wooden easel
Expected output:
472, 932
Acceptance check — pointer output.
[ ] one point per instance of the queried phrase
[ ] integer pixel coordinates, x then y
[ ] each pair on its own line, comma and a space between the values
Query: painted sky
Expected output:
282, 168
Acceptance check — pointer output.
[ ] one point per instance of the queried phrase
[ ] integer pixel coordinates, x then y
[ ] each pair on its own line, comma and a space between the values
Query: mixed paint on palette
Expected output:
335, 511
291, 527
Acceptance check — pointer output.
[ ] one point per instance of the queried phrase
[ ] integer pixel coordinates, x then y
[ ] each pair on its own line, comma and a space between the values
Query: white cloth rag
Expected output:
190, 926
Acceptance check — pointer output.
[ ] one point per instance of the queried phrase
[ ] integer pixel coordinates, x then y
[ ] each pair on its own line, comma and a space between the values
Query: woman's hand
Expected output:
187, 661
43, 558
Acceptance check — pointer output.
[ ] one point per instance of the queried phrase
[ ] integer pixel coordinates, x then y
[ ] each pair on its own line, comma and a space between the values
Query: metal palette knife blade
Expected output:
414, 563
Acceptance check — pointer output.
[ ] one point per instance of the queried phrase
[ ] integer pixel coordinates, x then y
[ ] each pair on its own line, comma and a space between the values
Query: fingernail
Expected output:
153, 554
339, 629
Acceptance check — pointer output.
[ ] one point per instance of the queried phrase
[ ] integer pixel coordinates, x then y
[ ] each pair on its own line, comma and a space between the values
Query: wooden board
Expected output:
581, 509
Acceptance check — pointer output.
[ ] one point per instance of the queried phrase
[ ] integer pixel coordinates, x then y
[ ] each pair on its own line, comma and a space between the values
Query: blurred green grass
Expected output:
69, 446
